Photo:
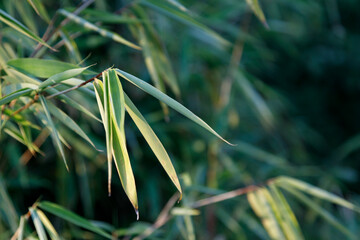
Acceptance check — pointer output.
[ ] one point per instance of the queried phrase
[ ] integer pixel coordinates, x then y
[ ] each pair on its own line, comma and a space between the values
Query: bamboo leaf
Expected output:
255, 7
153, 141
15, 24
168, 101
69, 122
61, 77
14, 95
291, 228
49, 227
108, 129
116, 111
38, 225
262, 208
105, 33
315, 191
182, 16
21, 228
72, 217
54, 132
321, 211
39, 9
42, 68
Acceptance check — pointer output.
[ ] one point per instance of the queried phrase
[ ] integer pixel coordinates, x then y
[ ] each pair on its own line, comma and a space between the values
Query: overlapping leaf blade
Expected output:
54, 132
72, 217
14, 95
153, 141
15, 24
49, 227
43, 68
101, 31
38, 225
57, 78
168, 101
315, 191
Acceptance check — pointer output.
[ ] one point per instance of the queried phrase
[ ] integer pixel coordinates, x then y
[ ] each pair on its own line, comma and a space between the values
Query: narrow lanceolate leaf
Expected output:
182, 16
61, 77
116, 109
262, 208
290, 224
67, 121
315, 191
42, 68
168, 101
107, 125
39, 9
101, 31
15, 24
49, 227
255, 7
153, 141
54, 132
321, 211
14, 95
21, 228
72, 217
38, 225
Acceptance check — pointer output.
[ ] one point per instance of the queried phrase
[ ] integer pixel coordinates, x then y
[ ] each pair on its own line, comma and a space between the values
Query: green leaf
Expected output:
61, 77
259, 203
321, 211
42, 68
14, 95
54, 132
72, 217
290, 224
153, 141
15, 24
67, 121
180, 15
101, 31
107, 125
116, 111
49, 227
255, 7
39, 9
21, 228
315, 191
168, 101
38, 225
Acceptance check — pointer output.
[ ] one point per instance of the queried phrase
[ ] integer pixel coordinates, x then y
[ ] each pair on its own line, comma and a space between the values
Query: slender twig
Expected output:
75, 87
223, 197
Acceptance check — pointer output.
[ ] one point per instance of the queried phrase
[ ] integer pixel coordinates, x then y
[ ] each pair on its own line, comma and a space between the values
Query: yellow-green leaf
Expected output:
255, 7
153, 141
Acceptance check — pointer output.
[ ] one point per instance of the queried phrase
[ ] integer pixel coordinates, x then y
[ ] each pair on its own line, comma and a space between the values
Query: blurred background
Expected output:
286, 92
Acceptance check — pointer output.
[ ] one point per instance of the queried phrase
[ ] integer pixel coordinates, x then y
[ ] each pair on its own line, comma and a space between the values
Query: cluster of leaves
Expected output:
40, 88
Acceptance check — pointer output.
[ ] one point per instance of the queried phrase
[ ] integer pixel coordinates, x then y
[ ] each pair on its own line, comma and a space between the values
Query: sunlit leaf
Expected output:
38, 225
168, 101
15, 24
61, 77
315, 191
153, 141
49, 227
39, 9
321, 211
42, 68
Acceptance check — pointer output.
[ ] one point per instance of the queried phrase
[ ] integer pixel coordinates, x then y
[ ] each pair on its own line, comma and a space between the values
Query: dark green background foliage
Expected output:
287, 95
